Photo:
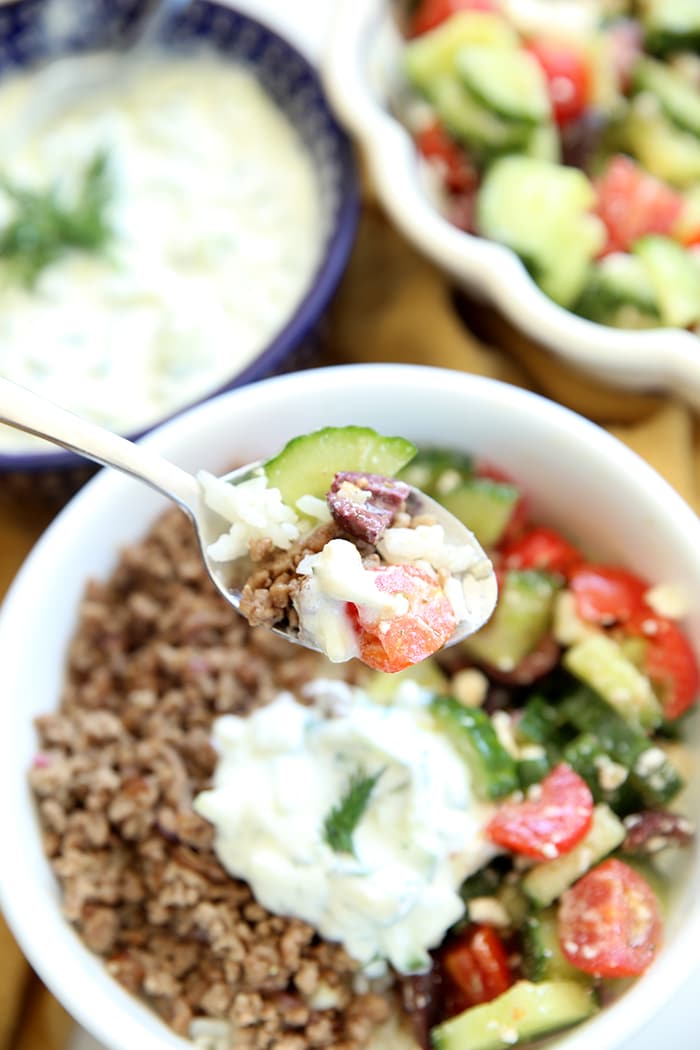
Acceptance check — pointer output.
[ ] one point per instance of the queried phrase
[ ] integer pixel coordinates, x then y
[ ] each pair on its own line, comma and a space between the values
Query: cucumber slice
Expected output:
675, 278
671, 25
485, 506
600, 663
608, 780
543, 959
679, 100
525, 1011
436, 471
664, 150
544, 883
472, 733
532, 769
432, 56
544, 143
543, 212
652, 774
307, 464
619, 289
472, 123
522, 616
507, 81
541, 723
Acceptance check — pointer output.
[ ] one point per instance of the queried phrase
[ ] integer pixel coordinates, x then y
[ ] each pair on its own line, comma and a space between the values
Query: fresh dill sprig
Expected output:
339, 826
44, 226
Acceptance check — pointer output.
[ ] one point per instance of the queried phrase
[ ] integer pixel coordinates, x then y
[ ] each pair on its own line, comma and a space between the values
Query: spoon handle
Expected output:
25, 410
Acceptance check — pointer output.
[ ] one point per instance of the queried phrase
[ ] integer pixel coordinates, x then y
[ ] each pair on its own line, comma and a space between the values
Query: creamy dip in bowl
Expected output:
230, 205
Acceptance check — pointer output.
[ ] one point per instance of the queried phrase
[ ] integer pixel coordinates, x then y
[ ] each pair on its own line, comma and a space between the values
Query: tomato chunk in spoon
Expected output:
396, 643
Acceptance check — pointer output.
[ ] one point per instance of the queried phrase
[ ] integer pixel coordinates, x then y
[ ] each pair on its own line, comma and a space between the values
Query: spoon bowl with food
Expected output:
321, 543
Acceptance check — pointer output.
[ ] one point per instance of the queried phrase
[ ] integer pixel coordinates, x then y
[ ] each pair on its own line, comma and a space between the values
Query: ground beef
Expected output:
157, 656
268, 593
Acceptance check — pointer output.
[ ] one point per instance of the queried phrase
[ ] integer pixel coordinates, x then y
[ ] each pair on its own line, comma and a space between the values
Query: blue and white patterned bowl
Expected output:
32, 31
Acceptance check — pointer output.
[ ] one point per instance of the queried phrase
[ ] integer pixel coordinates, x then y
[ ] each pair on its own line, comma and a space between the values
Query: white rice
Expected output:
253, 510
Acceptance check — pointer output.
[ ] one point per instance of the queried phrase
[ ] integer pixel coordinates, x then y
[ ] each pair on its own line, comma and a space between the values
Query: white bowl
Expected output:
580, 479
361, 67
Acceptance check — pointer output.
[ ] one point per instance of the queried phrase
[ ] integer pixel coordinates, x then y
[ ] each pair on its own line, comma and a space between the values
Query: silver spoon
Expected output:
25, 410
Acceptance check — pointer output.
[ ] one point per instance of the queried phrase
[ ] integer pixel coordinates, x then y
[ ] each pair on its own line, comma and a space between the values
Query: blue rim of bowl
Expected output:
310, 308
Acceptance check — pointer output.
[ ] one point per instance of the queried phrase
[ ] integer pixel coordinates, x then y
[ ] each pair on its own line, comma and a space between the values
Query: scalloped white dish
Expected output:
361, 68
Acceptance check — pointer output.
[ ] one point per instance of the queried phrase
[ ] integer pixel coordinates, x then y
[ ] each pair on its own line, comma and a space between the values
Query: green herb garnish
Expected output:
45, 226
340, 824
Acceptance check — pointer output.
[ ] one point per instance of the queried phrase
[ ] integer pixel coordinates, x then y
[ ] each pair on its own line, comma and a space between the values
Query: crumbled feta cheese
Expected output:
488, 910
470, 687
649, 762
339, 574
611, 775
668, 600
313, 507
425, 543
503, 724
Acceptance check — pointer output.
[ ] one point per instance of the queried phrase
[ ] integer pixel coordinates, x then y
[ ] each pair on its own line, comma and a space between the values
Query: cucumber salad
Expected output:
344, 557
494, 831
571, 136
568, 709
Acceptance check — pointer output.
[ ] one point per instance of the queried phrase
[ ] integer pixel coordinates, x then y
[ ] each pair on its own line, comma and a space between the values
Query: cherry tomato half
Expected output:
474, 968
395, 643
541, 548
669, 661
432, 13
605, 594
568, 77
550, 821
633, 203
609, 923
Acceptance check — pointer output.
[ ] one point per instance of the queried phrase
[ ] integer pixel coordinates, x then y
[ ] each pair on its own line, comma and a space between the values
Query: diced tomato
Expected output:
609, 922
432, 13
541, 548
568, 75
395, 643
521, 510
550, 821
669, 661
474, 968
605, 594
632, 204
435, 144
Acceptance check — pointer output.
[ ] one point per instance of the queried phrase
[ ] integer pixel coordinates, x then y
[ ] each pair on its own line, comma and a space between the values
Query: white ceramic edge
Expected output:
666, 359
52, 947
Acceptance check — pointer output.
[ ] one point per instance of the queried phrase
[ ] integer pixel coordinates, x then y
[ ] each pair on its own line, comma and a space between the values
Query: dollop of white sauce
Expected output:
218, 229
285, 767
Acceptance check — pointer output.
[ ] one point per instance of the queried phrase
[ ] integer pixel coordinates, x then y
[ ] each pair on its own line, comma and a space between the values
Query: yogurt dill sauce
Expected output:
217, 230
284, 769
